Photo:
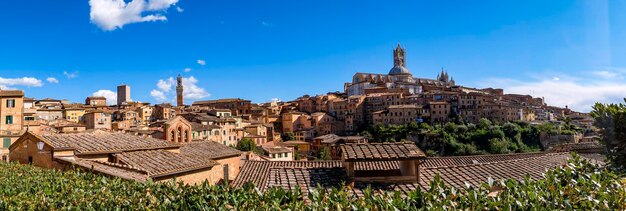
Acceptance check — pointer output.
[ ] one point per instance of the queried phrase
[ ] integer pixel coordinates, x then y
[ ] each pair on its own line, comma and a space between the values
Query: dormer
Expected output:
407, 156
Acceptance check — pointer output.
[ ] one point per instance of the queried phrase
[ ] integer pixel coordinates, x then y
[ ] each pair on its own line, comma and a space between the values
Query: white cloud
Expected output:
187, 70
608, 74
275, 100
70, 75
52, 80
179, 9
9, 83
191, 91
154, 5
579, 93
201, 62
556, 78
112, 14
165, 85
111, 96
158, 95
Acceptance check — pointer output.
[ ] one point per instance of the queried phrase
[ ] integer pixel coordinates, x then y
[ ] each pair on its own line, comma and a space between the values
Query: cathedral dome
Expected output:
399, 70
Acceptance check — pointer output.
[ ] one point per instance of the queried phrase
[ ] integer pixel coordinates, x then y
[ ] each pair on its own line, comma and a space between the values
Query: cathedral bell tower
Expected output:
179, 91
398, 56
399, 63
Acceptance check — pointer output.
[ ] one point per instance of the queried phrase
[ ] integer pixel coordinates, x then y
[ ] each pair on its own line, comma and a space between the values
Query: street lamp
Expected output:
40, 146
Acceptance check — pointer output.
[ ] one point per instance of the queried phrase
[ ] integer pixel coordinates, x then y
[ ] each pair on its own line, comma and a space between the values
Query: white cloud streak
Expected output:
159, 96
191, 91
201, 62
52, 80
111, 96
10, 83
113, 14
577, 92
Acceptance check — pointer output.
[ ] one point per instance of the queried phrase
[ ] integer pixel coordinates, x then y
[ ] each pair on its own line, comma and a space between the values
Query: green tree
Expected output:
325, 154
611, 119
246, 144
484, 123
288, 136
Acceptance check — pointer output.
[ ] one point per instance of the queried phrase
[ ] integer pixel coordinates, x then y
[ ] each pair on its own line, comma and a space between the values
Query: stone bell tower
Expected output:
179, 91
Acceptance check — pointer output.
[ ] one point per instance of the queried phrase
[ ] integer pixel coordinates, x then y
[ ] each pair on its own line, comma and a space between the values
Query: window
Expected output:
9, 120
11, 103
6, 142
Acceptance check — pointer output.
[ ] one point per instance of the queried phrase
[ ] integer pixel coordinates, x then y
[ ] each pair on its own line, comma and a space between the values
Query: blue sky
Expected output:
570, 52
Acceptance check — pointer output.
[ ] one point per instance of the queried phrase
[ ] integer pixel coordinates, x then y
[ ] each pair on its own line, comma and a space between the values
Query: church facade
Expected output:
399, 78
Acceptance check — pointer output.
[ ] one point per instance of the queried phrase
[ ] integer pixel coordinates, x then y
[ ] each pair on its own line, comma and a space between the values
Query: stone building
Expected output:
398, 167
97, 120
177, 129
96, 101
295, 121
129, 157
67, 126
237, 106
333, 142
400, 114
49, 109
440, 111
180, 101
123, 94
73, 112
277, 153
11, 119
163, 111
399, 77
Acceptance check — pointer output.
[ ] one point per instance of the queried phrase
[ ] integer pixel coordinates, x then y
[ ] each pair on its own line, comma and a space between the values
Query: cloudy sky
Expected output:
570, 52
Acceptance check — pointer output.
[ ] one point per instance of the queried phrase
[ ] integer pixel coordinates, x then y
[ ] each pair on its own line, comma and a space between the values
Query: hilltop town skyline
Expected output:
307, 105
568, 52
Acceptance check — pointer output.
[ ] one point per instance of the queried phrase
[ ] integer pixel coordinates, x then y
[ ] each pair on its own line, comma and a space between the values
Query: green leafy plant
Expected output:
579, 185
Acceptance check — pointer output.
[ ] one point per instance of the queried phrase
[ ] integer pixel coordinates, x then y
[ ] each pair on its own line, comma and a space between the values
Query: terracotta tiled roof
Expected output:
376, 166
305, 178
7, 93
161, 163
474, 159
476, 174
104, 142
586, 147
596, 158
455, 171
96, 98
106, 168
208, 149
258, 172
380, 151
276, 149
403, 188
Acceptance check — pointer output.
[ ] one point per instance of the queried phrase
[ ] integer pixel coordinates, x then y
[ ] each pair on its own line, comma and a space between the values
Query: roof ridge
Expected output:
489, 155
496, 162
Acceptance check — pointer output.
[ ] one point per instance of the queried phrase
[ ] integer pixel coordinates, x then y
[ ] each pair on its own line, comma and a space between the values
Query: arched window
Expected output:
172, 135
179, 131
186, 137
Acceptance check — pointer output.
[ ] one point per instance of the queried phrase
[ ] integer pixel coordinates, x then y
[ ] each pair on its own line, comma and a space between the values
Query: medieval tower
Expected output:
179, 91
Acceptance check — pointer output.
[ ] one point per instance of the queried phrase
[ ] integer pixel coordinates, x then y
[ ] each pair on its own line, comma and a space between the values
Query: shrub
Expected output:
578, 185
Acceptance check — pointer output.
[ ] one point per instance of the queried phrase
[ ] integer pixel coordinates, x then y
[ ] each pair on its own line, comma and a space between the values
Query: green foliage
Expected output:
288, 136
576, 186
246, 144
611, 119
465, 139
325, 154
